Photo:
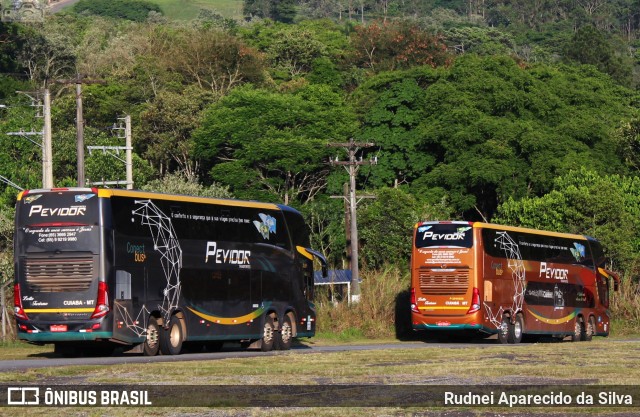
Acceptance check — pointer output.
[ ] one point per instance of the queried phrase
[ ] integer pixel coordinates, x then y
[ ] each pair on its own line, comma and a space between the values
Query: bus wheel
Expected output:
590, 330
517, 329
152, 341
268, 334
578, 330
285, 337
505, 330
171, 338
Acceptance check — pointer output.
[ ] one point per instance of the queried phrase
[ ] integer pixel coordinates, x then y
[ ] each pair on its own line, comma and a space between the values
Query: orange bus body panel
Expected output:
471, 276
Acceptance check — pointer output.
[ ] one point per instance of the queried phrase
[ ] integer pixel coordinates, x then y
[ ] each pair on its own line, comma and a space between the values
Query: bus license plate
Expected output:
58, 328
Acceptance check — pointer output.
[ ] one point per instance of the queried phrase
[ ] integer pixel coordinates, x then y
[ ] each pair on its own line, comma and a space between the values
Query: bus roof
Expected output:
115, 192
482, 225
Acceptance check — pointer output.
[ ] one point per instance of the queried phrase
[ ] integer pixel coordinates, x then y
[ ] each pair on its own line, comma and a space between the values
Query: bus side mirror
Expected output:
616, 285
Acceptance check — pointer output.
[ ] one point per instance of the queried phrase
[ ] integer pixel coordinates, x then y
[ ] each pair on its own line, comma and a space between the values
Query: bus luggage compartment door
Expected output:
126, 326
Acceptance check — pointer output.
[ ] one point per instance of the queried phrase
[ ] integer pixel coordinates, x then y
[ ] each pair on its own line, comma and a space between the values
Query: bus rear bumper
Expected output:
51, 337
452, 327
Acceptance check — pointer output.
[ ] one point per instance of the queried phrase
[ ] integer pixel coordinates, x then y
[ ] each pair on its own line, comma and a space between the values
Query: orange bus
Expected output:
508, 281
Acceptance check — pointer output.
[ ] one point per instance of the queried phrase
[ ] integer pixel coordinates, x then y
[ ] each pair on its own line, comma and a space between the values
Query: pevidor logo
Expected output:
443, 236
553, 273
227, 256
58, 211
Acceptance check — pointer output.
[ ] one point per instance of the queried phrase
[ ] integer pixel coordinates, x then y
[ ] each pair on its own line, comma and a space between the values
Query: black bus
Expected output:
101, 267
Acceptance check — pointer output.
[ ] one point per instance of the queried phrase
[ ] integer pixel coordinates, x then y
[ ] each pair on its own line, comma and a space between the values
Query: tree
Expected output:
386, 225
382, 46
591, 46
294, 51
605, 207
271, 146
487, 129
278, 10
186, 184
167, 124
212, 59
136, 10
48, 54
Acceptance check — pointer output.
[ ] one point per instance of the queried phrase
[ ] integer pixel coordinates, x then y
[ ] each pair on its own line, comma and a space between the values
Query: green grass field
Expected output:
603, 361
188, 9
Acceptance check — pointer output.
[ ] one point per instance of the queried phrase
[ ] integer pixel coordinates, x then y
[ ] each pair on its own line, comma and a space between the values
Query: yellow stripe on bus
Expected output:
59, 310
108, 193
229, 320
527, 230
561, 320
444, 308
304, 252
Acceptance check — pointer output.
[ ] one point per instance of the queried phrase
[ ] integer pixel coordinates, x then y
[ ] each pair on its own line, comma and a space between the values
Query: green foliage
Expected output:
166, 127
605, 207
591, 46
180, 183
479, 40
6, 246
487, 129
278, 10
385, 226
136, 10
271, 146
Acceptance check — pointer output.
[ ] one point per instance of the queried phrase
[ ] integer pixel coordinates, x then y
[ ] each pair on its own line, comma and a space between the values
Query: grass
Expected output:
189, 9
602, 361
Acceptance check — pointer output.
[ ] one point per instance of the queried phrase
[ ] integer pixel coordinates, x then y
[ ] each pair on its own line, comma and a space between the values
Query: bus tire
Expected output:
171, 338
505, 329
590, 330
268, 334
578, 330
517, 329
285, 336
152, 340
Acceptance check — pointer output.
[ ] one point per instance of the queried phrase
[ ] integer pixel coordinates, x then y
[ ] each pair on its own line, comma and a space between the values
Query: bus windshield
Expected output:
444, 234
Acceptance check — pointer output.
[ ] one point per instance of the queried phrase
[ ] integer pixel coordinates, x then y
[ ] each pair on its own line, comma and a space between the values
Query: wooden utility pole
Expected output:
78, 81
352, 166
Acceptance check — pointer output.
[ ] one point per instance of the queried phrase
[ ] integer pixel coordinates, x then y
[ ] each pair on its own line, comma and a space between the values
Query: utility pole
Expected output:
352, 166
47, 154
128, 154
114, 151
78, 81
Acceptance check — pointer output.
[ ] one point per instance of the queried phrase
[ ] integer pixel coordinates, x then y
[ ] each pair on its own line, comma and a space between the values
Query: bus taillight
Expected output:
17, 303
414, 306
102, 307
475, 301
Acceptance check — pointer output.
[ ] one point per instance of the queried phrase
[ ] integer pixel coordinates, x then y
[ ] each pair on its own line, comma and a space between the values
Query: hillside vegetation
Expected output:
524, 113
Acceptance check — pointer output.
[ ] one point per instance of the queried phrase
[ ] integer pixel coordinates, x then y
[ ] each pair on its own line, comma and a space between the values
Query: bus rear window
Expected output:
444, 234
58, 208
